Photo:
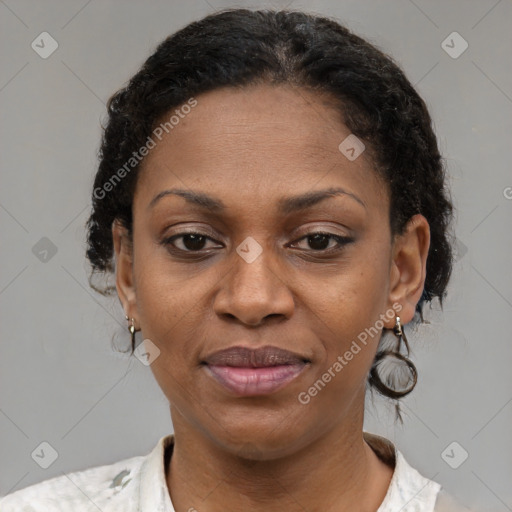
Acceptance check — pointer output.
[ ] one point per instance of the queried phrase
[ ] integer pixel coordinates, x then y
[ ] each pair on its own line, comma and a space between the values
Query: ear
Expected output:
409, 267
124, 268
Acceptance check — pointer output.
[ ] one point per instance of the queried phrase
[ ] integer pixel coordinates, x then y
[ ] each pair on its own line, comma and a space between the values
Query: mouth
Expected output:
252, 372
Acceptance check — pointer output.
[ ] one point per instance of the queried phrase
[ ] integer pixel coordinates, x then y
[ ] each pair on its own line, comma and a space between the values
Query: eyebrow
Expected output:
286, 205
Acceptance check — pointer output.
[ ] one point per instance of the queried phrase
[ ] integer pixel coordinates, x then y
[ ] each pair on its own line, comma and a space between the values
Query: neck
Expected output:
336, 472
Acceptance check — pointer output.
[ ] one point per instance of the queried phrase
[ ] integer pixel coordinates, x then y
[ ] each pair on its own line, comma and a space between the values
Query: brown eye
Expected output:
190, 241
319, 241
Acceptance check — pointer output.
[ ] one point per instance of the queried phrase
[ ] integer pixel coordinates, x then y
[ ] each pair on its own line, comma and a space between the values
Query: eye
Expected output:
319, 241
192, 241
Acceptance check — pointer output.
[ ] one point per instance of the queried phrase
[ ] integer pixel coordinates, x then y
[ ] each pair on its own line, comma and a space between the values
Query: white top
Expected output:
138, 484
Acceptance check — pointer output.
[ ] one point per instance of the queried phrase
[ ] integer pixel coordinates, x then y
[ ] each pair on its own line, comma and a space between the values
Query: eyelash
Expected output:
341, 240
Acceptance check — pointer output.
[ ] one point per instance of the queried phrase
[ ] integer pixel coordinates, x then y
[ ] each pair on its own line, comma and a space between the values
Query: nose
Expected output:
252, 292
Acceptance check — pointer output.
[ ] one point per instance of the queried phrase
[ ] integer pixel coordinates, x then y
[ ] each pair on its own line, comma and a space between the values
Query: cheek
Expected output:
352, 298
347, 310
165, 294
349, 347
173, 312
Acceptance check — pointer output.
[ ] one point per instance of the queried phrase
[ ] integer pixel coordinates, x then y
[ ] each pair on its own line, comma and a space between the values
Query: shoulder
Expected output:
409, 490
103, 487
447, 503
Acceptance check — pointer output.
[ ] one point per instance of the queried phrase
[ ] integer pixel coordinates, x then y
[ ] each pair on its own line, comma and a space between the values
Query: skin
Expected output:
249, 148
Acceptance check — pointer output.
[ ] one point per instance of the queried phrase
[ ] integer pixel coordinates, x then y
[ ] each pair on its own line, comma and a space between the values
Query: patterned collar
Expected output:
408, 491
139, 484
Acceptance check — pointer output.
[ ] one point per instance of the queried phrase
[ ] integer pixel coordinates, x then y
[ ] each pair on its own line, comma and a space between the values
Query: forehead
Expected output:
259, 141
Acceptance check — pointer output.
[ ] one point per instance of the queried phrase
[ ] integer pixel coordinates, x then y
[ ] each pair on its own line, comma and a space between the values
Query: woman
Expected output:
271, 200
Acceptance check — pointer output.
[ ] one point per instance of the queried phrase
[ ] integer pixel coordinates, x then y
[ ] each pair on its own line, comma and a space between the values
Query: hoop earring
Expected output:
375, 378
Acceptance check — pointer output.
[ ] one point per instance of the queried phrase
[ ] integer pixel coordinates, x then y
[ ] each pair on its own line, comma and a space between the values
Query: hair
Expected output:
240, 47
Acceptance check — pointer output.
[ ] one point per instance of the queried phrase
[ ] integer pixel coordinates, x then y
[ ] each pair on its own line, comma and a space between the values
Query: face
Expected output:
253, 266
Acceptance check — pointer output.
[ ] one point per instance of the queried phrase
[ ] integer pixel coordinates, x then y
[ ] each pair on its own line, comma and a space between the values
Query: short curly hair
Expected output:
239, 47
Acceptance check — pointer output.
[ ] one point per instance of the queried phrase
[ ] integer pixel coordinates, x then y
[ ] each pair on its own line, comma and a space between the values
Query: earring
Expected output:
132, 330
400, 335
398, 375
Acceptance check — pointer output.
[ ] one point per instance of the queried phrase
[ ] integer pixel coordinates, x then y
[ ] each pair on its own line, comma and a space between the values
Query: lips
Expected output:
251, 372
262, 357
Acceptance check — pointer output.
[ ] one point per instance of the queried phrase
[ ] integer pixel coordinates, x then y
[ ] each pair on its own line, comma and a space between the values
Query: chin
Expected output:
259, 440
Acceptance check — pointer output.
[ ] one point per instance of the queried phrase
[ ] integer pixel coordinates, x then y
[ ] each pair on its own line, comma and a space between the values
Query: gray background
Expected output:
62, 382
